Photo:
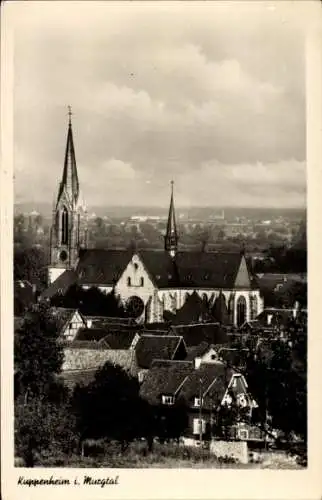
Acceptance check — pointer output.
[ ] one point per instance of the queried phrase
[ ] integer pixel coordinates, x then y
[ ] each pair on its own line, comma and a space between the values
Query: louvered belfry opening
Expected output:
65, 227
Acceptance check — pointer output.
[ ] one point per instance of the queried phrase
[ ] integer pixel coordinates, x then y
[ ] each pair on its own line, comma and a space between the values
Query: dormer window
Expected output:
167, 400
128, 281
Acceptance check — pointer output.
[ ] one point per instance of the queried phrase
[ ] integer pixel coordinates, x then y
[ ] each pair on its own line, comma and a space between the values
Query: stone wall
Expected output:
84, 359
233, 449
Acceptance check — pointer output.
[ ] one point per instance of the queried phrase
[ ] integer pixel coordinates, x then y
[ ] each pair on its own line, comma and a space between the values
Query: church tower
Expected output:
171, 236
68, 231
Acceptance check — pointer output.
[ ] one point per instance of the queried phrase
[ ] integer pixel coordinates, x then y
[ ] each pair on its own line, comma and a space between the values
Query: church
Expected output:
150, 282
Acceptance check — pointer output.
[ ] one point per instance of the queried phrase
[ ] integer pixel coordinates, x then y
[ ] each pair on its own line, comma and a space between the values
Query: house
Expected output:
203, 390
69, 322
149, 283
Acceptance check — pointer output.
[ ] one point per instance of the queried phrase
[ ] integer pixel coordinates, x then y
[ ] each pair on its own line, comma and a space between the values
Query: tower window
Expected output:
64, 225
142, 281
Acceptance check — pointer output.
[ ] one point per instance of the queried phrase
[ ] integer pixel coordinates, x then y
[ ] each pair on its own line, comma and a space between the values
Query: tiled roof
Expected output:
60, 285
192, 269
98, 267
120, 339
193, 335
151, 347
164, 378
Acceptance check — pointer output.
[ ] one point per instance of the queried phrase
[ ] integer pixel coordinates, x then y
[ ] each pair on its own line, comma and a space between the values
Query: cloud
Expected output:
161, 93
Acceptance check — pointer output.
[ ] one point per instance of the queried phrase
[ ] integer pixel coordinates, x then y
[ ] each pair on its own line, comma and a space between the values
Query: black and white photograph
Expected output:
159, 238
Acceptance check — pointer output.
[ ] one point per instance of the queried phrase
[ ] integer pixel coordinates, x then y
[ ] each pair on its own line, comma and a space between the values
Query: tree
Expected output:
37, 355
109, 407
42, 425
92, 302
42, 418
30, 265
277, 380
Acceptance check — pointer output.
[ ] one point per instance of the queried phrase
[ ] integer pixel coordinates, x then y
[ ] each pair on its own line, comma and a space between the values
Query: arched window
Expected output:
64, 226
205, 298
241, 310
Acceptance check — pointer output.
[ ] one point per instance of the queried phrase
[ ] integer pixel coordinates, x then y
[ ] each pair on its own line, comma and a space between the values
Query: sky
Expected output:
211, 95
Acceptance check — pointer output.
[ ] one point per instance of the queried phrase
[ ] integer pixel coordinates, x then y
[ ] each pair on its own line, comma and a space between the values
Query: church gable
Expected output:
243, 278
135, 275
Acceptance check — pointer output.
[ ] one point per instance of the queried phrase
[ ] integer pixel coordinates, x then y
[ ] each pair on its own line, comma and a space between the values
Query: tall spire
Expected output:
171, 237
70, 183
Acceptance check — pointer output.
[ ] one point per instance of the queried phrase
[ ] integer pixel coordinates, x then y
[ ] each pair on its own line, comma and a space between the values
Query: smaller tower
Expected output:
171, 236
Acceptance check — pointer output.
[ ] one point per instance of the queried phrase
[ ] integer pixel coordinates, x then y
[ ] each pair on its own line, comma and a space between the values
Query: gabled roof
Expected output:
102, 267
164, 378
151, 347
60, 285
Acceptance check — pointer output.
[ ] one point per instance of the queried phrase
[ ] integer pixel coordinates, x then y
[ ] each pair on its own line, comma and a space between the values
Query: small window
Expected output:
167, 400
136, 266
128, 281
197, 402
70, 325
141, 281
213, 356
243, 434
